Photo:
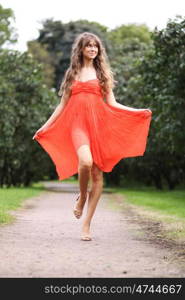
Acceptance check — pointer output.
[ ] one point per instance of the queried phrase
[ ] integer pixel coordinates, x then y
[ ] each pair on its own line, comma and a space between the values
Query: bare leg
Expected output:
94, 195
84, 172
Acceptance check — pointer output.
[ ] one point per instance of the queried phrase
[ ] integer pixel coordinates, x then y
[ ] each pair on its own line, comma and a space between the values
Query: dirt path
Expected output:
44, 241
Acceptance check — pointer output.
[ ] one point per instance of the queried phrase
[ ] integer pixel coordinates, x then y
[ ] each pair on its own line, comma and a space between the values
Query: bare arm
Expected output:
54, 115
110, 99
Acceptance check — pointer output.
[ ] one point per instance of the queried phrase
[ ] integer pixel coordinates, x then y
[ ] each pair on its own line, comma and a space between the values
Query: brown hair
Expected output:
100, 62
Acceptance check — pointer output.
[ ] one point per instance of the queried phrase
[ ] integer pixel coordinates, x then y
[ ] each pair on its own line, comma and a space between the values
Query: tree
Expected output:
7, 33
159, 82
122, 33
25, 104
42, 56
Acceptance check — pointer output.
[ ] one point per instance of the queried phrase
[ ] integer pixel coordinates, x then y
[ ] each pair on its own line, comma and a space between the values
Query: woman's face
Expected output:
90, 51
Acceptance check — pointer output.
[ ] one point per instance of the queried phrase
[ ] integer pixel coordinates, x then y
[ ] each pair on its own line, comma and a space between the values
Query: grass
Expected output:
166, 202
12, 198
167, 207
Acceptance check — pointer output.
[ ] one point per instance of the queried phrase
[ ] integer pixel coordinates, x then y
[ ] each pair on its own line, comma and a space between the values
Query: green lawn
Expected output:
166, 207
166, 202
12, 198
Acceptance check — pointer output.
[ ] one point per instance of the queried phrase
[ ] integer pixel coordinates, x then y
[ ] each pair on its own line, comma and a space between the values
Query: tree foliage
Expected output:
7, 32
41, 55
25, 104
122, 33
159, 82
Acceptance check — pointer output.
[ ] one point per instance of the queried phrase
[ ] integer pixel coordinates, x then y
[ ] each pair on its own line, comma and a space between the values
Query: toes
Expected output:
77, 213
86, 238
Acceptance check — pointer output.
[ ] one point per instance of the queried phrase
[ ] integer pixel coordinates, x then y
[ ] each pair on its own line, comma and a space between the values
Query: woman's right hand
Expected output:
42, 129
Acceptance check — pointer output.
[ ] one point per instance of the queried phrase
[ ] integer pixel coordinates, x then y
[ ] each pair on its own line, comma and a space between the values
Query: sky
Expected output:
111, 13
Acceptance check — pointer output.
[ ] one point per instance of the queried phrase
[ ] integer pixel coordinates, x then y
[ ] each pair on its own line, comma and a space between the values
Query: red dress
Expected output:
112, 133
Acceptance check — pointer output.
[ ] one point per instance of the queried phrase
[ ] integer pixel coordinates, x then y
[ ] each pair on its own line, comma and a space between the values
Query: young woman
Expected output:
90, 132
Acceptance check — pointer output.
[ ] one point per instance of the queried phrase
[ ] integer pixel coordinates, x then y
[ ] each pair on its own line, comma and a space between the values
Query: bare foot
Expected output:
85, 236
79, 205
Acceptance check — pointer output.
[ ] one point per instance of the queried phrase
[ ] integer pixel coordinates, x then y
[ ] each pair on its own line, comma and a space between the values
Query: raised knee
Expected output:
87, 164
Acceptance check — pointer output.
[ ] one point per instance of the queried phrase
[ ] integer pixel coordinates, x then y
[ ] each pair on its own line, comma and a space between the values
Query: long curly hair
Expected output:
100, 63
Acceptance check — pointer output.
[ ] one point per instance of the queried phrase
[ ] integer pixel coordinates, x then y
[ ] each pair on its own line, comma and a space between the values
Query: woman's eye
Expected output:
89, 46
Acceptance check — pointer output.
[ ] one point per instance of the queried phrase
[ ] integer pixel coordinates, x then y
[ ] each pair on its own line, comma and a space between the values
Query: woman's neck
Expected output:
88, 64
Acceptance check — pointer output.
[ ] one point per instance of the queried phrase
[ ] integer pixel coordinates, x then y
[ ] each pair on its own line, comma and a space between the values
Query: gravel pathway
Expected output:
44, 241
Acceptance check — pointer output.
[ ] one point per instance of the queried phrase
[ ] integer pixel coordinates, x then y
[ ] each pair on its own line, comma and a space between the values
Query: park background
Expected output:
149, 66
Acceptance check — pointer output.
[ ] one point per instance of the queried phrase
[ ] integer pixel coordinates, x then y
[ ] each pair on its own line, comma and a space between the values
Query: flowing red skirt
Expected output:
111, 133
